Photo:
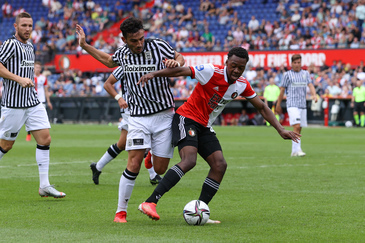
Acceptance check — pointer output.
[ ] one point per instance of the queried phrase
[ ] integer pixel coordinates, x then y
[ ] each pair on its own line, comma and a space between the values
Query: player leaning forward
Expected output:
20, 104
192, 131
151, 108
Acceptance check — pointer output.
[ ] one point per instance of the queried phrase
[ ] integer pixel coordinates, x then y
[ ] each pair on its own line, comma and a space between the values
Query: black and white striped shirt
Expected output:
296, 88
155, 96
18, 58
119, 75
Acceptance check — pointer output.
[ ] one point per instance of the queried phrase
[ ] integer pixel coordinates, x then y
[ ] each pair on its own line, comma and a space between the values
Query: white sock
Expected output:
109, 155
42, 158
126, 184
152, 172
105, 159
296, 146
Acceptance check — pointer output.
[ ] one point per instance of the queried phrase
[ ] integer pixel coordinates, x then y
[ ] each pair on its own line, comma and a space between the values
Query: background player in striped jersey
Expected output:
192, 132
151, 108
41, 86
115, 149
295, 81
19, 104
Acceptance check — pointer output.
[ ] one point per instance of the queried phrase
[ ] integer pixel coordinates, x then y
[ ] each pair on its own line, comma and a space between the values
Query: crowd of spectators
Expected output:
333, 24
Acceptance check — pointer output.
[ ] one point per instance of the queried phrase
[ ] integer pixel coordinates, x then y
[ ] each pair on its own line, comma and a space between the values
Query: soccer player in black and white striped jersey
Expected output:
151, 107
20, 104
295, 81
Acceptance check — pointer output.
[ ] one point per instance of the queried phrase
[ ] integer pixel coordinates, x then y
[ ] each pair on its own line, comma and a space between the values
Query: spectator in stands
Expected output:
187, 17
253, 24
7, 9
243, 119
18, 11
238, 36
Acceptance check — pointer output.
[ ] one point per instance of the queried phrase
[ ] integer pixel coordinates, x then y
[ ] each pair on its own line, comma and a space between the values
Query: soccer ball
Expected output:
196, 212
348, 124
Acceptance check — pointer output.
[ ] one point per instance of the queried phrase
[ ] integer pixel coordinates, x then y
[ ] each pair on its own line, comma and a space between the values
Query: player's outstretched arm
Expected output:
269, 116
167, 72
101, 56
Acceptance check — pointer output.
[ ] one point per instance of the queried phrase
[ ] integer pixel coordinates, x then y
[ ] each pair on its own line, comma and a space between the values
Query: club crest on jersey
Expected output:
126, 56
191, 132
148, 55
234, 95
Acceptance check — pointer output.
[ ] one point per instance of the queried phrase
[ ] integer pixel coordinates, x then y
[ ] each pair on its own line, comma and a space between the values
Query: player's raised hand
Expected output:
171, 63
82, 37
144, 79
26, 82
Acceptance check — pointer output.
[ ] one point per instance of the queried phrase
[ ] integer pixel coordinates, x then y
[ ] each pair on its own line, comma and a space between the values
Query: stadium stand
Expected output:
191, 25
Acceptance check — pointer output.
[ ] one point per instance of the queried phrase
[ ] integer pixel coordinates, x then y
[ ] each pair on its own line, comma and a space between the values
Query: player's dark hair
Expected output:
296, 57
239, 52
130, 26
22, 15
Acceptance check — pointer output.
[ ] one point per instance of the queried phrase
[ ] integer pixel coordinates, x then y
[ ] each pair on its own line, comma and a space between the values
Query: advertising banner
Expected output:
85, 62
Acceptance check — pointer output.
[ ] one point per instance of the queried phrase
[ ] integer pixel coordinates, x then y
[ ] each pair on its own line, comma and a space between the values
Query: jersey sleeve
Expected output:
248, 93
308, 78
7, 50
285, 81
117, 56
203, 73
118, 73
166, 50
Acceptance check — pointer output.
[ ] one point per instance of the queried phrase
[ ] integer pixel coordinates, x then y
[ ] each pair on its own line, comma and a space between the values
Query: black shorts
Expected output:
359, 106
187, 132
270, 104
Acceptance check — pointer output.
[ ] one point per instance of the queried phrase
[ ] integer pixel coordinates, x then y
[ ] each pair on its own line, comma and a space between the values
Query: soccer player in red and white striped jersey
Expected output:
191, 126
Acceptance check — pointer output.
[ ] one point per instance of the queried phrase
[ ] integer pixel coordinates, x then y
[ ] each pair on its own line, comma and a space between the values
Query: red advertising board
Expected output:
85, 62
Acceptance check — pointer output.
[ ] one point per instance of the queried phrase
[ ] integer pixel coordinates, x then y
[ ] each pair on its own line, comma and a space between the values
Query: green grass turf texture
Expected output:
266, 196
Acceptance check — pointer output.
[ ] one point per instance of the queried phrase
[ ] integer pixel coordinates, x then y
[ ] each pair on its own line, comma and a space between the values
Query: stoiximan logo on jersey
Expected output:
140, 68
26, 63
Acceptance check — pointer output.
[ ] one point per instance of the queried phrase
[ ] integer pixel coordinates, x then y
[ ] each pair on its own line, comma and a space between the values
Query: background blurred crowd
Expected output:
208, 25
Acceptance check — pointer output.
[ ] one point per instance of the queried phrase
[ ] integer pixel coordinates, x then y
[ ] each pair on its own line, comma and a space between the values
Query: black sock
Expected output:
209, 189
170, 179
3, 151
113, 150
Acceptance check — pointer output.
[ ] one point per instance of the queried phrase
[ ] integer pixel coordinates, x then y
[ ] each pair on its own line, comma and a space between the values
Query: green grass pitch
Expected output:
266, 196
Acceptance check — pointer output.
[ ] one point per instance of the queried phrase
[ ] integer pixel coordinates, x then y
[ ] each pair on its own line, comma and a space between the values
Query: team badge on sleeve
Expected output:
234, 95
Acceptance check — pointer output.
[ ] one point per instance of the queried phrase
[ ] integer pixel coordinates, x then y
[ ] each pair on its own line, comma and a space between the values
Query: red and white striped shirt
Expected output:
212, 93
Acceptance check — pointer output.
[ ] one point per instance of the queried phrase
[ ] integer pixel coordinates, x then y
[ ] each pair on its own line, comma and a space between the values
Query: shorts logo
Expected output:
10, 134
234, 95
298, 119
129, 142
191, 132
138, 141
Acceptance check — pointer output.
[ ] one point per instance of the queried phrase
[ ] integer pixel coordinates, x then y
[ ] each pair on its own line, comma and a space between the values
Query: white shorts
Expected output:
297, 116
12, 120
123, 125
153, 131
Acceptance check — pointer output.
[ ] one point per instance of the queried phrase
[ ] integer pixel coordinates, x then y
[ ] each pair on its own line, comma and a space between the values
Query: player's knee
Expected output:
187, 164
6, 147
221, 165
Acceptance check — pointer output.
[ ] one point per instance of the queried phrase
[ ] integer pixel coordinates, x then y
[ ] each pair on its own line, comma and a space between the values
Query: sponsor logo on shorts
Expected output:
191, 132
298, 119
138, 141
129, 142
10, 134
